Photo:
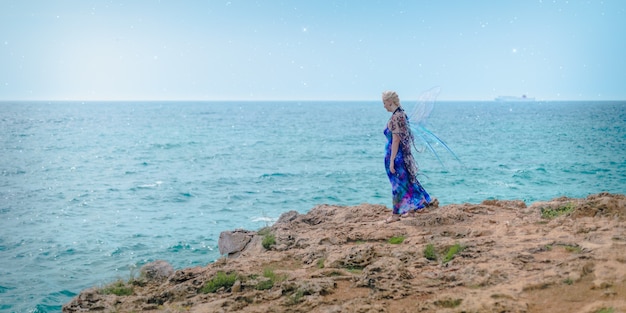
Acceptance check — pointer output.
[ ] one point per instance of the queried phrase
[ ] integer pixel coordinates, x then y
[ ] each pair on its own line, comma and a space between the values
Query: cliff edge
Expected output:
563, 255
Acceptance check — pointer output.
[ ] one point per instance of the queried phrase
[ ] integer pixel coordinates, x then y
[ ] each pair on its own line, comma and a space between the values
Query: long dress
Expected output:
408, 193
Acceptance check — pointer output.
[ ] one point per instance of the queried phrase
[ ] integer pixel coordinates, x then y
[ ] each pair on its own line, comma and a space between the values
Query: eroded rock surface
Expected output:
231, 243
340, 259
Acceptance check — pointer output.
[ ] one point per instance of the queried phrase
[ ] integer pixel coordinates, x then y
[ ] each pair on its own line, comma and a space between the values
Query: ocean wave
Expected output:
148, 186
275, 175
264, 219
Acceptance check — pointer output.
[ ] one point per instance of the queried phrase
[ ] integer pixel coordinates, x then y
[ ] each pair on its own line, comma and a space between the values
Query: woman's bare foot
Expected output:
434, 203
408, 214
392, 218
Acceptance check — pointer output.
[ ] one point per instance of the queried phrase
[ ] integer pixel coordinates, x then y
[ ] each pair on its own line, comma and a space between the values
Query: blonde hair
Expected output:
393, 96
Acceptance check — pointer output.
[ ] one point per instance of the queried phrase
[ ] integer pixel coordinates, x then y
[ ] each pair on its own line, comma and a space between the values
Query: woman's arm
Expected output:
395, 144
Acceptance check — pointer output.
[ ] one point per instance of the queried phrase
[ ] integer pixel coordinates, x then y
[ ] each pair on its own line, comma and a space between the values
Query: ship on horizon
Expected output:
523, 98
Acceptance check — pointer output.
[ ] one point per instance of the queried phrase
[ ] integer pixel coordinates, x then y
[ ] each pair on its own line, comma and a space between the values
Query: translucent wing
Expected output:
425, 105
418, 118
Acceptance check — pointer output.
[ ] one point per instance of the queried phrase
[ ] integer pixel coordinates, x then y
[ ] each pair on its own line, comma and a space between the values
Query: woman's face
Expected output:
388, 105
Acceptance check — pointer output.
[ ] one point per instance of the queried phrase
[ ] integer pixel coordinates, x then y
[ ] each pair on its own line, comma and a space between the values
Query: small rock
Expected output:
157, 270
601, 284
236, 286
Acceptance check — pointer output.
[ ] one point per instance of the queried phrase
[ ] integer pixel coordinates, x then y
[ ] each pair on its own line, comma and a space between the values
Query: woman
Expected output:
408, 194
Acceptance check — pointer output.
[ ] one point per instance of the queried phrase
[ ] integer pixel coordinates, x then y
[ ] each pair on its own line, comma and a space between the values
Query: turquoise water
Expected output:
91, 191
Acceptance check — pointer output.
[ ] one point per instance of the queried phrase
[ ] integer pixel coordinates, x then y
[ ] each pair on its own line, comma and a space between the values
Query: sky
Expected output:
311, 50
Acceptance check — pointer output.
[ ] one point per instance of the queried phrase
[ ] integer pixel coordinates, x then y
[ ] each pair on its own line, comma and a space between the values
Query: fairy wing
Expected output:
424, 106
418, 122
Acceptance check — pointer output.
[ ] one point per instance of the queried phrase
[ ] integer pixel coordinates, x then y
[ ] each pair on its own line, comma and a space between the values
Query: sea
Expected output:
91, 191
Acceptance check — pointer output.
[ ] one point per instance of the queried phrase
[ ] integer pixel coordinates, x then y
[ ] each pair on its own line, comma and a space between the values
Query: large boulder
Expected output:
233, 242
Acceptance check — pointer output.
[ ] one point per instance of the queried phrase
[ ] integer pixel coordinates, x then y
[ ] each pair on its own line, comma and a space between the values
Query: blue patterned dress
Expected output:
408, 193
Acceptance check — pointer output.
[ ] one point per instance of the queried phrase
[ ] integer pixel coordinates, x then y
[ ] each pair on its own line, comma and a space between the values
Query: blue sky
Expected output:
311, 50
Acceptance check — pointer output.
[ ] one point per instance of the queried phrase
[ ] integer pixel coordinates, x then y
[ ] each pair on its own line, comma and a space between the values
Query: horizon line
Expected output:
293, 100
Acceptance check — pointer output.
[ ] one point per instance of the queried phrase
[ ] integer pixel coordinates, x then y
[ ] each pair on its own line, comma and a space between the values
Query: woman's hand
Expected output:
392, 168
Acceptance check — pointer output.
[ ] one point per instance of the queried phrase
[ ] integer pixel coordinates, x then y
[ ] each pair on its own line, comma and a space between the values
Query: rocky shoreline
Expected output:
563, 255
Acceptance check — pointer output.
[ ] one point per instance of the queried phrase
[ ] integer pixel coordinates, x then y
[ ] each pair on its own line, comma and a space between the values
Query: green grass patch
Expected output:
449, 303
550, 213
272, 279
605, 310
430, 253
295, 298
118, 288
572, 249
220, 280
265, 285
320, 263
396, 240
269, 273
122, 287
452, 252
354, 269
268, 240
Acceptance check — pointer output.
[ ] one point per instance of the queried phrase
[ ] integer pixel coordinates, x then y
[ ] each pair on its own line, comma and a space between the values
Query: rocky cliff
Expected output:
564, 255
